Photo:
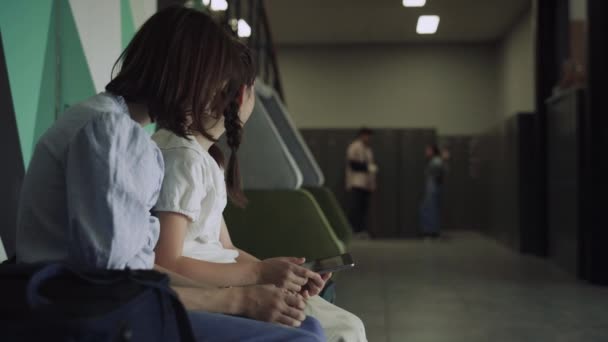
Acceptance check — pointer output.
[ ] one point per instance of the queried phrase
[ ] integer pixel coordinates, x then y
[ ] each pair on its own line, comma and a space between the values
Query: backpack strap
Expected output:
36, 300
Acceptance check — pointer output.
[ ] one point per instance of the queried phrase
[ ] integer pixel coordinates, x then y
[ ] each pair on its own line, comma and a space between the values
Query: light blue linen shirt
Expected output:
87, 195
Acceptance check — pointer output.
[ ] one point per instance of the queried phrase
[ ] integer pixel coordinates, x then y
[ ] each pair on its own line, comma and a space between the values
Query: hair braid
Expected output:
234, 134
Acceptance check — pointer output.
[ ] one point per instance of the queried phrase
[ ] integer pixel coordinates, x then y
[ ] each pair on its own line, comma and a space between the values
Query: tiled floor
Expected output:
467, 288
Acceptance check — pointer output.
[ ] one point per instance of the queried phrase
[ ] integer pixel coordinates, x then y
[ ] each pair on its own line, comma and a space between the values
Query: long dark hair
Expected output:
188, 70
435, 150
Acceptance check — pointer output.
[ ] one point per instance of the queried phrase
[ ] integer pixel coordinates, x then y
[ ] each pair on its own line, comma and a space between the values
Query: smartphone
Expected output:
331, 264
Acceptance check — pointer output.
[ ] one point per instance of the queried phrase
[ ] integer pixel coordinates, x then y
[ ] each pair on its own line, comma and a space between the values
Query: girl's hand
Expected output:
312, 289
270, 304
287, 273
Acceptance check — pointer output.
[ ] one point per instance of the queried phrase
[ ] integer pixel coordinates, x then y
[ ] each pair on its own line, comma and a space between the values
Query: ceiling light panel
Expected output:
427, 24
243, 29
414, 3
219, 5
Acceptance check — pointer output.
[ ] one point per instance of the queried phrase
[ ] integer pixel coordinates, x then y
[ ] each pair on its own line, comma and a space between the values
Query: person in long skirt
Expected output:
430, 210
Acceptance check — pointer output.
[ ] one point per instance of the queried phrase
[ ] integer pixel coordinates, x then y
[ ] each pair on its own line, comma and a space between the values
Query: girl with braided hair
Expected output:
194, 239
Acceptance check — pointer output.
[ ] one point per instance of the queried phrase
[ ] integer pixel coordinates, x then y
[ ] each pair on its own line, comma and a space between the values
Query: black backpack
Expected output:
54, 302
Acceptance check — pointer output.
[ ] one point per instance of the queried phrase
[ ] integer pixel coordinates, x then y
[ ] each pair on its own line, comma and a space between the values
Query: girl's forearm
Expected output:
216, 274
226, 301
246, 257
180, 280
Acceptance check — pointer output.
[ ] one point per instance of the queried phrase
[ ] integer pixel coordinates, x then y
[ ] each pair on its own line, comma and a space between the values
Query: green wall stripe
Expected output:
47, 99
126, 17
76, 80
150, 128
24, 28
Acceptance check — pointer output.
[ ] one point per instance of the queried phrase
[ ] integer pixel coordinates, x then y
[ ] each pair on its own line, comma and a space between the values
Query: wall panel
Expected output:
563, 179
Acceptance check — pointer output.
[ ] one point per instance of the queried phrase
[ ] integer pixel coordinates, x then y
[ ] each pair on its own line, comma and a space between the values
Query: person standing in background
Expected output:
360, 180
430, 210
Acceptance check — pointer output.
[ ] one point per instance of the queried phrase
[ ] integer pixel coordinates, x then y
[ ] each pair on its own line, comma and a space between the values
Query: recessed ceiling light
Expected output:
243, 29
414, 3
206, 2
219, 5
427, 24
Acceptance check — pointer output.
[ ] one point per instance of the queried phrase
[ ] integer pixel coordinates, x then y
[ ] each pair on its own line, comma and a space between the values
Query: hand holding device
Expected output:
373, 168
331, 264
286, 273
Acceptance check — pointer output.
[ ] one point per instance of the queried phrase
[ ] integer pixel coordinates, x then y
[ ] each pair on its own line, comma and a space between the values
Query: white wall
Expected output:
516, 69
99, 26
142, 10
458, 88
451, 87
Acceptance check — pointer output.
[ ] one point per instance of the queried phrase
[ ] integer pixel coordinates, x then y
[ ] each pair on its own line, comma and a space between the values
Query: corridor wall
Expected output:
507, 179
564, 183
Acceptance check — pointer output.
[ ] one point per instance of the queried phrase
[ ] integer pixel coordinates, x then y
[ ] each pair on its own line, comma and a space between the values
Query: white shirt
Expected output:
359, 152
87, 195
194, 186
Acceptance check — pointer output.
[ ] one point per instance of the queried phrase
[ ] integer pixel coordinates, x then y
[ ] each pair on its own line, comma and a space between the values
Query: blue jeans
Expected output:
430, 210
218, 327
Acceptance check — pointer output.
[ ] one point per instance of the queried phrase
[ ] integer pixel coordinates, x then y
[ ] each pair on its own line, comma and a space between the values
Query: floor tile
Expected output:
466, 287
